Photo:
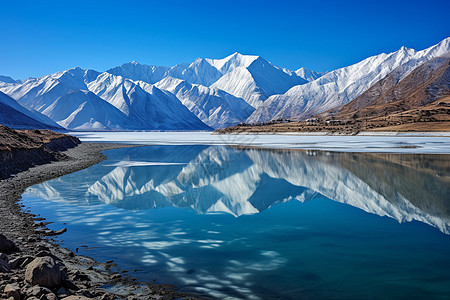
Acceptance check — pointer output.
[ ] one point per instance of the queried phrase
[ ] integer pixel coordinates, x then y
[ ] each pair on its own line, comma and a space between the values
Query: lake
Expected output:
249, 223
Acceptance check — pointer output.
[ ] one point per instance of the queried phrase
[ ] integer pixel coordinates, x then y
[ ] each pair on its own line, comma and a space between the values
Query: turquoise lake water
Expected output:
262, 224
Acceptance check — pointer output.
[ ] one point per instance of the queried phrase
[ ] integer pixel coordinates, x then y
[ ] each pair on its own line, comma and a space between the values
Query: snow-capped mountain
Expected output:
198, 72
205, 93
214, 107
249, 77
309, 75
83, 110
341, 86
136, 71
252, 78
427, 83
13, 115
144, 104
114, 102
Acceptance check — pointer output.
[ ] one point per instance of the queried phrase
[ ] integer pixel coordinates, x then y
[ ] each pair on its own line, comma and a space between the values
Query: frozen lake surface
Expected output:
403, 143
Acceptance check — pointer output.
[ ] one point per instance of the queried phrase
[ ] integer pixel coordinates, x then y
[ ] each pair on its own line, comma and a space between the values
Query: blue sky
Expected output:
43, 37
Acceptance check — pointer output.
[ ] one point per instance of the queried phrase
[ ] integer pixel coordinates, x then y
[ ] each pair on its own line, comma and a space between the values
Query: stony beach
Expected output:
34, 266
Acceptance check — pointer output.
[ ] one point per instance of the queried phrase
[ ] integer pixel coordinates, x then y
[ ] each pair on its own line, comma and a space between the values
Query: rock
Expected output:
26, 261
21, 262
12, 290
69, 285
50, 296
62, 292
3, 256
14, 263
116, 276
46, 253
45, 271
75, 298
78, 275
54, 232
87, 294
43, 253
42, 248
4, 266
7, 246
38, 291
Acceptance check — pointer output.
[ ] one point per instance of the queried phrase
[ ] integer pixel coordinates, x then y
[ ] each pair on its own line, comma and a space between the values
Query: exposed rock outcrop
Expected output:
22, 149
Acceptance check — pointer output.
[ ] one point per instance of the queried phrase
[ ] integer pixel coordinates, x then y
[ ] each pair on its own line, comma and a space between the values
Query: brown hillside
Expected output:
425, 84
419, 101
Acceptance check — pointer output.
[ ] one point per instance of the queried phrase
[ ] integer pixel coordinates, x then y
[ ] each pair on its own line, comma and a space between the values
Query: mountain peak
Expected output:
308, 75
242, 57
407, 50
232, 62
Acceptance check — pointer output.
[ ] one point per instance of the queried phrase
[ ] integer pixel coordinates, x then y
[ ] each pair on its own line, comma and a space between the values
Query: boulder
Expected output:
45, 271
12, 290
7, 246
73, 297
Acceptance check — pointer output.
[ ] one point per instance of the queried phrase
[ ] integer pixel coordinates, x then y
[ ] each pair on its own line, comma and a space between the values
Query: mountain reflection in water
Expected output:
262, 224
217, 179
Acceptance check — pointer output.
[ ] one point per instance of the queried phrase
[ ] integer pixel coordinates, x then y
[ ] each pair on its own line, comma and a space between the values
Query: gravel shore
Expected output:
83, 277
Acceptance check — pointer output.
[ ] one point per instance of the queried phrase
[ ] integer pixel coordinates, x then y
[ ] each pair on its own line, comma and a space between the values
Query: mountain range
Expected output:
425, 84
205, 94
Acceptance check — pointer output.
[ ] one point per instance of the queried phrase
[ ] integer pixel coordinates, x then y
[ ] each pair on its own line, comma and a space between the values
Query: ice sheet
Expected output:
399, 143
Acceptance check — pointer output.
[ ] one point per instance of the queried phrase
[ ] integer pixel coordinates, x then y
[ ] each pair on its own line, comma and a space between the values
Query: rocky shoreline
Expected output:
32, 266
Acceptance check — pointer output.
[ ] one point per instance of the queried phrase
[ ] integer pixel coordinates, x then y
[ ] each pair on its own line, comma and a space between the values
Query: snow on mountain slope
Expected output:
244, 76
135, 71
309, 75
231, 62
82, 110
198, 72
339, 87
395, 92
252, 78
39, 93
145, 104
15, 116
214, 107
146, 110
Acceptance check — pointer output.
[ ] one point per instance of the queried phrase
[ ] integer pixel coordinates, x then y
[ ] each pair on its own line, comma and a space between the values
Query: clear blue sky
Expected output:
43, 37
